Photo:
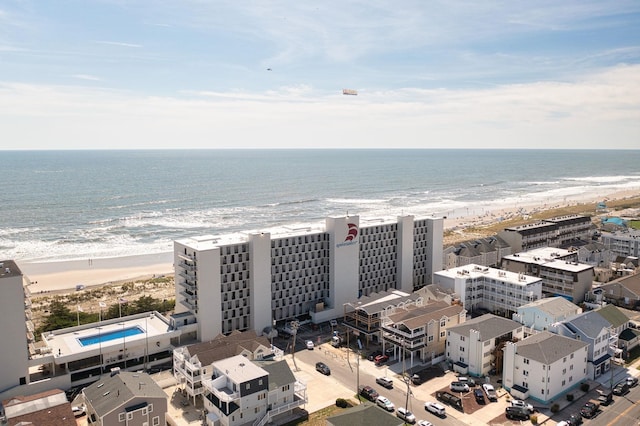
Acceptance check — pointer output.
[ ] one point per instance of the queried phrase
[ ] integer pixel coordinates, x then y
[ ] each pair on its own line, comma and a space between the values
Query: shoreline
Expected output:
65, 275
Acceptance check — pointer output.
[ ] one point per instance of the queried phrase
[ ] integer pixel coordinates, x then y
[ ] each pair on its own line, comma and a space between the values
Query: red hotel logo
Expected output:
353, 232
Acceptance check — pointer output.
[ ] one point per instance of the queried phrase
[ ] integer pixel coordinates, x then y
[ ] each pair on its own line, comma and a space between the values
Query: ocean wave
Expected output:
604, 179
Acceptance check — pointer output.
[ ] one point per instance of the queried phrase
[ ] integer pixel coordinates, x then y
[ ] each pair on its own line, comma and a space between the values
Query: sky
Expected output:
176, 74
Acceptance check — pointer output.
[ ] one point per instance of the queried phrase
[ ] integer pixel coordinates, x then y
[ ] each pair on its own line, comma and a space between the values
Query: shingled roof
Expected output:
222, 346
547, 348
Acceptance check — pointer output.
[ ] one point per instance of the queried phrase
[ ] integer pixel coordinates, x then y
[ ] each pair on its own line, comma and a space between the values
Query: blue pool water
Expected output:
111, 335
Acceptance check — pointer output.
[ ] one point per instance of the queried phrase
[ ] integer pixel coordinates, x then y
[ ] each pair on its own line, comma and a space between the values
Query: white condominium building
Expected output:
544, 366
489, 289
559, 270
248, 281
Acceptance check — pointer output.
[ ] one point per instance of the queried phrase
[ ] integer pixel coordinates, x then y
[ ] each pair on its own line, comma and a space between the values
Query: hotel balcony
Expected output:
191, 306
402, 334
187, 257
188, 284
218, 387
191, 267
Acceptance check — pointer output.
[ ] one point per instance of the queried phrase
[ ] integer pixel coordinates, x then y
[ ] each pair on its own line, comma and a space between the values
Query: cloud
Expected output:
586, 113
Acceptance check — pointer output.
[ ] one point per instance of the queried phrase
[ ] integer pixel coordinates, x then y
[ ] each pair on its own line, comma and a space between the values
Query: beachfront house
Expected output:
484, 289
475, 346
541, 314
132, 399
544, 366
248, 281
559, 270
239, 391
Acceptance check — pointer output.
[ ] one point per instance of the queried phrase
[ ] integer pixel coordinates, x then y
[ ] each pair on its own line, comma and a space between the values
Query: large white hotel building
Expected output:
251, 280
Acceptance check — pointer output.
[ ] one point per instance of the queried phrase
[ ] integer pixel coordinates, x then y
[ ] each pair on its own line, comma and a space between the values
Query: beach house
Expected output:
541, 314
475, 346
544, 366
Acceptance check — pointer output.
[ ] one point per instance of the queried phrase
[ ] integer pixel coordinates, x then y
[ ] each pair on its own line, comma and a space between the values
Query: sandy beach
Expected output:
58, 276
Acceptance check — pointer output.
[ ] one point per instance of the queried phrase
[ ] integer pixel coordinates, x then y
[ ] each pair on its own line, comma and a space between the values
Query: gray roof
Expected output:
489, 326
222, 347
554, 306
109, 393
547, 348
279, 373
613, 315
589, 323
364, 415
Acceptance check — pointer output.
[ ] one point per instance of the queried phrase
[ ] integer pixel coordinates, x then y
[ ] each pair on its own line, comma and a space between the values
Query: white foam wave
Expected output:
603, 179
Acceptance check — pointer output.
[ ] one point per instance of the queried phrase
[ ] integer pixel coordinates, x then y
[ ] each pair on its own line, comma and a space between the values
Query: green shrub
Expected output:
584, 387
342, 403
569, 397
534, 419
555, 408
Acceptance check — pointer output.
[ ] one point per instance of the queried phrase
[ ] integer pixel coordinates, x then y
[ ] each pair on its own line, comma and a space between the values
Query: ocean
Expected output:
69, 205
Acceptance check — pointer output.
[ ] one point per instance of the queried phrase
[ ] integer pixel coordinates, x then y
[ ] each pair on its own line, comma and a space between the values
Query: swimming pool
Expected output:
110, 335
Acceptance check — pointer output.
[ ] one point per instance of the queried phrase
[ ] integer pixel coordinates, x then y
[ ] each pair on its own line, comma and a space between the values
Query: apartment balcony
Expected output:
218, 387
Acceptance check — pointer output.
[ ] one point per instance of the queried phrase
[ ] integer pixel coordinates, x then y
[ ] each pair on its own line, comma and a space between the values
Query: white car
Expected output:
310, 345
385, 403
490, 391
434, 408
406, 415
520, 403
424, 423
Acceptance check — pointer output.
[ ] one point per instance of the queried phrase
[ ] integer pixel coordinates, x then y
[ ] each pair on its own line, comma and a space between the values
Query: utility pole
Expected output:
294, 327
358, 377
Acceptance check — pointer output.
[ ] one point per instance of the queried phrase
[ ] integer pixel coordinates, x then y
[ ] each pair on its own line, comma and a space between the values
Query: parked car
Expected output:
424, 423
467, 380
621, 388
381, 359
517, 413
632, 381
574, 420
372, 355
385, 382
383, 402
416, 379
520, 403
590, 409
310, 345
450, 399
605, 396
406, 415
78, 411
479, 396
490, 391
459, 387
435, 408
323, 368
369, 393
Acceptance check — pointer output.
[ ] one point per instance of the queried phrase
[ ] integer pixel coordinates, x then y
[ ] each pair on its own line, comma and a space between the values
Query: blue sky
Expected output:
247, 74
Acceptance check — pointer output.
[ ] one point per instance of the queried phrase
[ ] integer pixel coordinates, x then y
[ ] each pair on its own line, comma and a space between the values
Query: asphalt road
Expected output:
624, 411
